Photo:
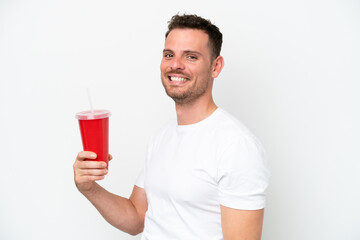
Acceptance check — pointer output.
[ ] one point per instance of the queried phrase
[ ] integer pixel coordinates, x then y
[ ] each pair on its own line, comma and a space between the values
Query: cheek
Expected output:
201, 72
164, 64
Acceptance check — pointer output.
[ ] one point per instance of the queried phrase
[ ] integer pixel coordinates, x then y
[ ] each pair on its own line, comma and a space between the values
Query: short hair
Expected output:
195, 22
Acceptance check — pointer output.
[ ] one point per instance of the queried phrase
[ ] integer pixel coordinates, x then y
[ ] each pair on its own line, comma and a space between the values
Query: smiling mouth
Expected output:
178, 79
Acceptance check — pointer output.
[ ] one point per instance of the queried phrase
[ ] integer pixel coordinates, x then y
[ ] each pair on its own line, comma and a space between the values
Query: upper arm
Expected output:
139, 200
241, 224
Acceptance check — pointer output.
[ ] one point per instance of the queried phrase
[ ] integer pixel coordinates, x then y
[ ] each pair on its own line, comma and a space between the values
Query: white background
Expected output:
291, 75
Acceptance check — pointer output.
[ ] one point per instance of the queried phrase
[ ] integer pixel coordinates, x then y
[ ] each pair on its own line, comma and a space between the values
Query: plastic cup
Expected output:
94, 129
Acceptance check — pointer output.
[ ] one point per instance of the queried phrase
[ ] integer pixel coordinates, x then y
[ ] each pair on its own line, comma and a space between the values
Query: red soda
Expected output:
94, 129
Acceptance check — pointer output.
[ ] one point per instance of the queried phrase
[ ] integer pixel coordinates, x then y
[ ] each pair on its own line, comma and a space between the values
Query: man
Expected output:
205, 175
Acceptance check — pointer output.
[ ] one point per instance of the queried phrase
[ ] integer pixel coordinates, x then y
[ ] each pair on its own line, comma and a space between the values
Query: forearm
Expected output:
118, 211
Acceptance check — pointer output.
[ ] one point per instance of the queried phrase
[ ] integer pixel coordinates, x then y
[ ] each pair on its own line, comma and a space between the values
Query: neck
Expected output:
194, 112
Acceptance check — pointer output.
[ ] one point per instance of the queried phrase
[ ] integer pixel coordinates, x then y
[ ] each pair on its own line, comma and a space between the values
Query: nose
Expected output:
177, 63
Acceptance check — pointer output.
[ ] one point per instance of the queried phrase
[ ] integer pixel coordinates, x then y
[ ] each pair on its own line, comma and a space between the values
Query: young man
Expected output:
205, 174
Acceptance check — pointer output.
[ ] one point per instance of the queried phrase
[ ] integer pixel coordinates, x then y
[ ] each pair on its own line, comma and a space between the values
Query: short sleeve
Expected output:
243, 175
140, 181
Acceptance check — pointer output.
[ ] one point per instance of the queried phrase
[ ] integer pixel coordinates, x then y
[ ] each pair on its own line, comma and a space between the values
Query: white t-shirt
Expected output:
191, 169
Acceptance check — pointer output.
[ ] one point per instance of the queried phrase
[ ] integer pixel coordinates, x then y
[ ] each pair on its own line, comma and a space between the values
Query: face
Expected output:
186, 66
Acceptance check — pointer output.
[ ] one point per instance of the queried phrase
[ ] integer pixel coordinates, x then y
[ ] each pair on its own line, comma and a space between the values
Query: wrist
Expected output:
88, 190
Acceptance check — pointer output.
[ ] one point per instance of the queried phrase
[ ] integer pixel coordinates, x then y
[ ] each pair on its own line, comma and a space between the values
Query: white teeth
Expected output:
177, 79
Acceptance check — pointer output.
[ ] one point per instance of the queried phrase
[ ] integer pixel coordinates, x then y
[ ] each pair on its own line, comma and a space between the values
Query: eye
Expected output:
191, 57
168, 55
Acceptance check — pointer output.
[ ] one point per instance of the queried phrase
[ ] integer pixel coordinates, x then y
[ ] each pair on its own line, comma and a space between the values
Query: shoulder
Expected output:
229, 127
237, 143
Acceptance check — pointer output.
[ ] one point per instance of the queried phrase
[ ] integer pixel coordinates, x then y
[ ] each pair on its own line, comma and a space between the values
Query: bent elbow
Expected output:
137, 230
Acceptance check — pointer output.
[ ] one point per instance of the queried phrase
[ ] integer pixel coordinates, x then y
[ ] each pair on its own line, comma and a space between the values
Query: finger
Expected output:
85, 155
90, 165
110, 157
86, 179
92, 172
96, 178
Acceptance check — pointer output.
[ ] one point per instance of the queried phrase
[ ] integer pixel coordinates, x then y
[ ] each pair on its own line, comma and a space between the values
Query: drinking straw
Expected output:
89, 98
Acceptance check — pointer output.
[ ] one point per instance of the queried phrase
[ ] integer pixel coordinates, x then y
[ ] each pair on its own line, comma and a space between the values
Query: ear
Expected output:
218, 65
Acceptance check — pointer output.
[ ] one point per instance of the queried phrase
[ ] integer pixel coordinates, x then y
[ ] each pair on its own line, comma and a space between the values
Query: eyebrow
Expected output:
186, 51
167, 50
195, 52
